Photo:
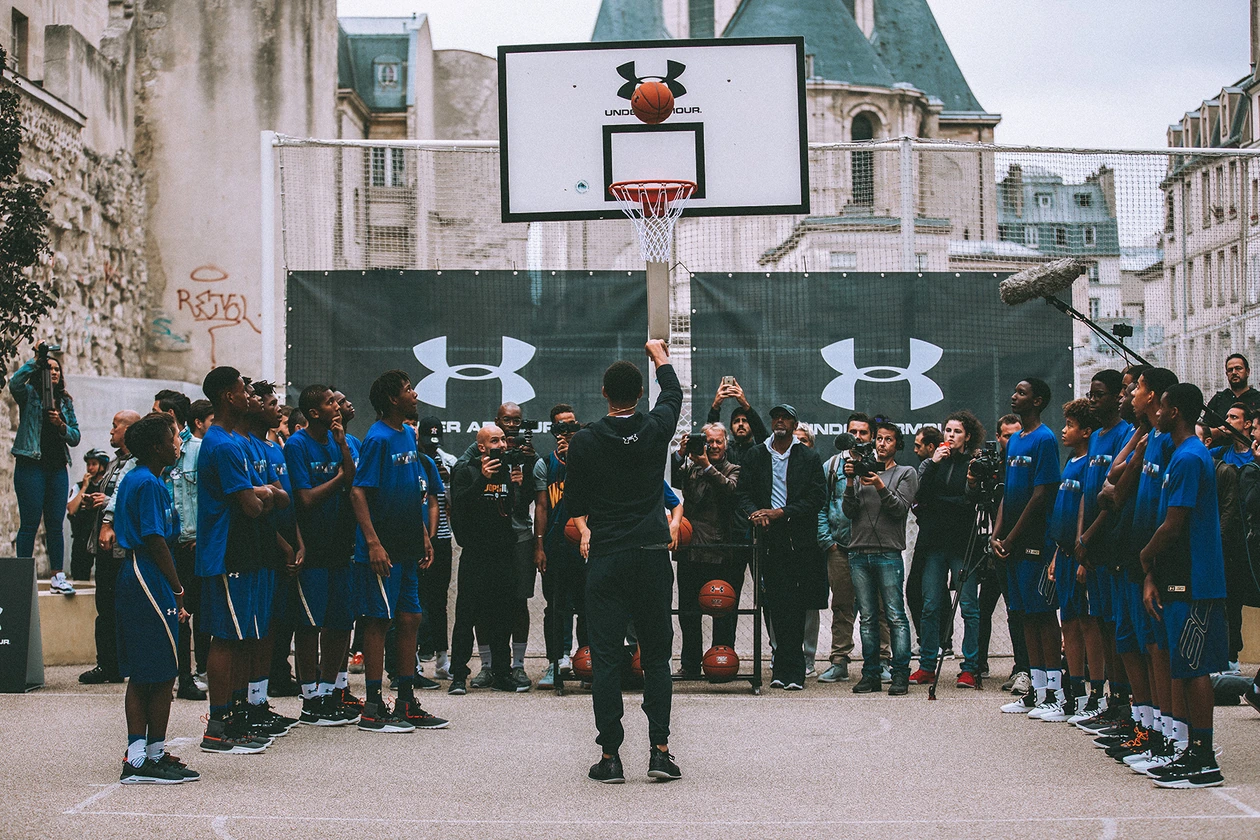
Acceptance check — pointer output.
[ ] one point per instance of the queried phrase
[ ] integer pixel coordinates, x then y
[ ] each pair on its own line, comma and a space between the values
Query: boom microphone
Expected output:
845, 441
1041, 281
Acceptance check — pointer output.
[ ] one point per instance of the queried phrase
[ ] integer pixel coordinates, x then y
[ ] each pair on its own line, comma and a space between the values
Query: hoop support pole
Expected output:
658, 300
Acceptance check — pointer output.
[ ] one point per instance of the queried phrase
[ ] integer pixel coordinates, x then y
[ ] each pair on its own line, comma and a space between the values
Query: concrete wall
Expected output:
212, 76
466, 102
98, 85
90, 17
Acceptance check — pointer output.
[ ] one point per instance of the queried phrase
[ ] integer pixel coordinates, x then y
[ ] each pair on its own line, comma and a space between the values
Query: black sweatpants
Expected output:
564, 587
484, 599
632, 585
107, 566
993, 587
185, 556
691, 577
435, 584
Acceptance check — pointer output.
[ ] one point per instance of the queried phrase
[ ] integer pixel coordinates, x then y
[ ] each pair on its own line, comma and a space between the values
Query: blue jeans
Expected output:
879, 577
936, 600
41, 494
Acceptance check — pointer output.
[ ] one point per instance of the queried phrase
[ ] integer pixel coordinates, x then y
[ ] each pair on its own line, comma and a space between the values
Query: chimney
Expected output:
1255, 35
864, 14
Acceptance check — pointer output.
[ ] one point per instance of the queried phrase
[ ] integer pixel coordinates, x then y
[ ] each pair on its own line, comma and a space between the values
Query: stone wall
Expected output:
97, 266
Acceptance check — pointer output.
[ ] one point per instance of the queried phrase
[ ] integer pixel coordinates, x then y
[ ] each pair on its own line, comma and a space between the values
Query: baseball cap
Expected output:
786, 409
429, 430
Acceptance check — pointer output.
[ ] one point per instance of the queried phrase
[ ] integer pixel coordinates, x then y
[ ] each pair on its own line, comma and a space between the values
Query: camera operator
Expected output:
41, 452
529, 527
947, 524
708, 482
747, 428
781, 490
82, 515
877, 499
564, 573
435, 581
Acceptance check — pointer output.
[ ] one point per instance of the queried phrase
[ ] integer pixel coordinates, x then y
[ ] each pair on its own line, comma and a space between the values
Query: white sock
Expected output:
324, 689
443, 661
258, 693
1054, 679
1038, 679
1135, 712
136, 753
484, 653
155, 749
343, 679
1148, 716
309, 691
518, 654
1181, 733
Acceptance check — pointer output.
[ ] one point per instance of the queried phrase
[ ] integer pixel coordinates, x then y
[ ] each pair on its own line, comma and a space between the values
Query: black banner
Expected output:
913, 347
469, 339
21, 661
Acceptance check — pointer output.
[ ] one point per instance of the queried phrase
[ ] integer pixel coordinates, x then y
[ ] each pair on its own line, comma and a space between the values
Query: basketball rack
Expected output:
654, 206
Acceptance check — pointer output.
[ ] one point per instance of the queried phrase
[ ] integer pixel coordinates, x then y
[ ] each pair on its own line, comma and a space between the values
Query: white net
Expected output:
653, 207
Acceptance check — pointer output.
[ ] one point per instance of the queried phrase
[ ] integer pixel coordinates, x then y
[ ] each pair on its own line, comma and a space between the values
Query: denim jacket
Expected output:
26, 391
833, 525
181, 482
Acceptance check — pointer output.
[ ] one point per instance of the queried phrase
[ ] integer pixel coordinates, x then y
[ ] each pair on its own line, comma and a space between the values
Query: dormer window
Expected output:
388, 71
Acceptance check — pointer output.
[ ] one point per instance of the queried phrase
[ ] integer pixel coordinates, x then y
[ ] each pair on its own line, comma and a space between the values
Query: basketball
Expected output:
636, 664
720, 662
581, 663
652, 102
684, 532
571, 532
717, 597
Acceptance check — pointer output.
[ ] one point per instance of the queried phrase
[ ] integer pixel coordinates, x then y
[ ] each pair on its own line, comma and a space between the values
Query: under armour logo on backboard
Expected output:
432, 354
673, 69
923, 390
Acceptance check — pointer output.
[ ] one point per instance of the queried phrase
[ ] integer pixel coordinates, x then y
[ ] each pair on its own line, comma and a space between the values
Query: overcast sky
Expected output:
1104, 73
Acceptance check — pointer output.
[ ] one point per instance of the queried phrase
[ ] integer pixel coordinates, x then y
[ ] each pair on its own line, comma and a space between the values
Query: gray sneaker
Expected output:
885, 671
484, 679
548, 678
521, 679
836, 673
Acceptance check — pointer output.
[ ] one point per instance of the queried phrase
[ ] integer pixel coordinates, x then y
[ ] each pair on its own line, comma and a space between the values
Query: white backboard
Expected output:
566, 130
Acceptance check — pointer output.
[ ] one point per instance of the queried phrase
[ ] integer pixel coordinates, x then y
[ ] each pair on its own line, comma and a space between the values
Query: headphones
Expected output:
899, 437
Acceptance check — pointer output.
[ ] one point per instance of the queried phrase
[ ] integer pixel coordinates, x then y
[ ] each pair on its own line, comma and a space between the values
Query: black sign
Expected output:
912, 347
17, 601
470, 340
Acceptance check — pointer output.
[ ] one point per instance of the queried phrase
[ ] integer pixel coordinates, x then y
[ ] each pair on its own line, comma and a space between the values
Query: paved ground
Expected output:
779, 765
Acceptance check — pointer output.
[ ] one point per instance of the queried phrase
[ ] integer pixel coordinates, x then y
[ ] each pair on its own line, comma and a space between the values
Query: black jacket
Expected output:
946, 519
481, 508
735, 450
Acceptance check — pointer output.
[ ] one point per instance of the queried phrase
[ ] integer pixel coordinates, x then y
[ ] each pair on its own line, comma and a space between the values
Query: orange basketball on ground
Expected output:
720, 662
571, 532
652, 102
581, 663
636, 664
684, 532
717, 597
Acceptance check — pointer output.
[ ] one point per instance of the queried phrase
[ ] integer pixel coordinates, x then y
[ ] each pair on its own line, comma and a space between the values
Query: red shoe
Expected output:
922, 677
967, 680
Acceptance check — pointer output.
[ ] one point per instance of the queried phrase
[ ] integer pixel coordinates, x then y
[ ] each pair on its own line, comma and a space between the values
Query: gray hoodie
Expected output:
879, 516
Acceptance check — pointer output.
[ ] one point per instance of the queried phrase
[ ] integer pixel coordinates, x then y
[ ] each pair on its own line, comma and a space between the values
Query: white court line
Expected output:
1106, 821
1110, 830
1237, 803
219, 826
96, 797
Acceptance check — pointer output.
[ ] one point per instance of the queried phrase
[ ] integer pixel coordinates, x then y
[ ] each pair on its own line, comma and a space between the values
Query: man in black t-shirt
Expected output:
614, 479
1238, 374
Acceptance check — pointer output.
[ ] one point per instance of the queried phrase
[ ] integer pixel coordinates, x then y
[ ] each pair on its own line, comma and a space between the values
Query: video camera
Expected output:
565, 427
987, 466
515, 455
41, 353
861, 454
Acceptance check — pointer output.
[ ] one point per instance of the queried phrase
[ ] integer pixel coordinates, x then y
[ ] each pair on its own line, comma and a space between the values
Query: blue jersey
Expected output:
1104, 446
1190, 482
279, 471
223, 468
144, 509
1032, 460
1159, 447
1067, 504
402, 477
1232, 456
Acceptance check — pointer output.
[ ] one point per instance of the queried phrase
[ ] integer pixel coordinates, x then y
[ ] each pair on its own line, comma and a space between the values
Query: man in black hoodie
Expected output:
615, 479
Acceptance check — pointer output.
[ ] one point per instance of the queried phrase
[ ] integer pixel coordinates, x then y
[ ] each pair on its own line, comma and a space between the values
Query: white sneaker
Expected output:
1138, 758
1019, 707
811, 673
1084, 711
1058, 714
566, 663
60, 585
885, 672
1052, 703
199, 680
1022, 683
1151, 762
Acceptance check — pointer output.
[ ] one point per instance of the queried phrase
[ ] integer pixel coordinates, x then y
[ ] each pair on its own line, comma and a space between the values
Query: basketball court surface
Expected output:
818, 763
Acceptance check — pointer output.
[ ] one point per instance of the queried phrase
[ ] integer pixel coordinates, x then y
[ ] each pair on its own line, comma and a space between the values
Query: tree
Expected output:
24, 298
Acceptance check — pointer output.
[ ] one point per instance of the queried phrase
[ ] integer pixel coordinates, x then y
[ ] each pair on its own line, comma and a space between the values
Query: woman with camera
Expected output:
947, 521
41, 479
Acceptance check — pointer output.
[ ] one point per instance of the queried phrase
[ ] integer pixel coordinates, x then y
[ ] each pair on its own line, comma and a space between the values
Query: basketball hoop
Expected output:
653, 207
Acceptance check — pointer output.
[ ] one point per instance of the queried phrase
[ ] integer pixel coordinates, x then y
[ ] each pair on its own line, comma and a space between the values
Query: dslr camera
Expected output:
696, 445
41, 353
565, 427
861, 455
515, 456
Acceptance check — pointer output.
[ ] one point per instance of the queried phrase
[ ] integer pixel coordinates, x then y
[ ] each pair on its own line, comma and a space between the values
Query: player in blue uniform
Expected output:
321, 471
231, 507
395, 516
1184, 589
150, 601
1098, 628
1020, 540
1068, 575
340, 610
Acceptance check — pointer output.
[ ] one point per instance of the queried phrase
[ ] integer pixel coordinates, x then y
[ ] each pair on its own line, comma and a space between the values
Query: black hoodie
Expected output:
616, 470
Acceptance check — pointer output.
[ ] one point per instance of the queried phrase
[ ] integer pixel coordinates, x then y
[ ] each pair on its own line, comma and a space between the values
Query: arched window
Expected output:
863, 163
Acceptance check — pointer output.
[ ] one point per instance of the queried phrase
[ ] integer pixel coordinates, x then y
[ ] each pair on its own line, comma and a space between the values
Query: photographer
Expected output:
82, 514
781, 490
877, 499
564, 573
708, 481
947, 524
41, 452
747, 428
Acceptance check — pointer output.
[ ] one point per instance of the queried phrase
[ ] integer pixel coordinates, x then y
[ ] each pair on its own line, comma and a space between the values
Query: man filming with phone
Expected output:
747, 428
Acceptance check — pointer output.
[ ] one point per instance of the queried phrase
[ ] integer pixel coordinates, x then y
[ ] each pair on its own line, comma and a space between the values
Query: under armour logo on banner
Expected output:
923, 390
432, 354
673, 69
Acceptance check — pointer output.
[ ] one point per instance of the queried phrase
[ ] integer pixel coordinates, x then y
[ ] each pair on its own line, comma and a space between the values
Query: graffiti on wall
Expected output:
216, 310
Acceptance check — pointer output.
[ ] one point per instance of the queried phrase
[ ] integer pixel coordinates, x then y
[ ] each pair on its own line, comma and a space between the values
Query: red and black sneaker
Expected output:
966, 679
345, 698
922, 677
410, 711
